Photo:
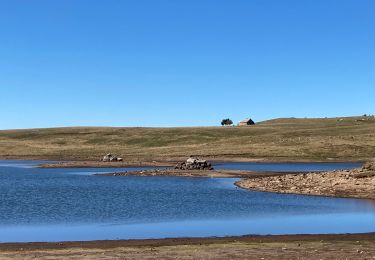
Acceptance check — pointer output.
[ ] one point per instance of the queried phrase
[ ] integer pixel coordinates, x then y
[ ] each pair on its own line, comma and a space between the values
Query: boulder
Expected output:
107, 158
194, 164
111, 158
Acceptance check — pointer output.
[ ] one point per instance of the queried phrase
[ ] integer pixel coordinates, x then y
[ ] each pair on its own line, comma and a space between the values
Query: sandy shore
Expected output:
353, 246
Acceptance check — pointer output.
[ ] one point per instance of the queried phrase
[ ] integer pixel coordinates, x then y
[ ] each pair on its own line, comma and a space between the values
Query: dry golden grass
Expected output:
351, 138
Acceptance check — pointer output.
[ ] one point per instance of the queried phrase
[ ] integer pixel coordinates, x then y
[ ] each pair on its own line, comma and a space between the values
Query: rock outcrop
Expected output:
111, 158
358, 183
194, 164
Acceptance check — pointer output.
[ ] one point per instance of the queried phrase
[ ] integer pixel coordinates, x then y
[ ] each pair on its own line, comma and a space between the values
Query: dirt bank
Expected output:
99, 164
354, 246
357, 183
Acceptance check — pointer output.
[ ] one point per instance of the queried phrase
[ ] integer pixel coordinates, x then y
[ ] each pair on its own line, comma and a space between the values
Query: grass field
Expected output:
350, 138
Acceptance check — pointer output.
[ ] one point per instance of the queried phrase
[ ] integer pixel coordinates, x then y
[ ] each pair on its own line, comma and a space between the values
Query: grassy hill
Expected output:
350, 138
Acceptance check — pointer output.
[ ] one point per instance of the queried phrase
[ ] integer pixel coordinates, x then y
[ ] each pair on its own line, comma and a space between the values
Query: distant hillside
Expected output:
350, 138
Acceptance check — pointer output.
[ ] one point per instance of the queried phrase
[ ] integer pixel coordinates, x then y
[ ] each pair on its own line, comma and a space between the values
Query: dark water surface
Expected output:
72, 204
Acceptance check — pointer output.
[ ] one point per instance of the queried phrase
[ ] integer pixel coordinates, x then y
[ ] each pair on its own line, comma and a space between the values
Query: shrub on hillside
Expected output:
226, 121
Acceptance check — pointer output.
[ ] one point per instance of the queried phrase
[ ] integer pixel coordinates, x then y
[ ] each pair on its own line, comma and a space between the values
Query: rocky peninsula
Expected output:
192, 167
193, 173
357, 183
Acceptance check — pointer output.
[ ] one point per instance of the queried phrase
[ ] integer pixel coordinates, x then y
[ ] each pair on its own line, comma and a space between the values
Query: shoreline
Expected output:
183, 241
357, 183
330, 246
337, 195
98, 164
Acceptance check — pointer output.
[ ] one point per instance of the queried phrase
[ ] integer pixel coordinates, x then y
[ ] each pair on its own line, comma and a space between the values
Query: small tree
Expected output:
226, 121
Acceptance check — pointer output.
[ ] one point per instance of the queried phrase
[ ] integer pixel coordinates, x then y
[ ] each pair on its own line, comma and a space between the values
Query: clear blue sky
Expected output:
185, 62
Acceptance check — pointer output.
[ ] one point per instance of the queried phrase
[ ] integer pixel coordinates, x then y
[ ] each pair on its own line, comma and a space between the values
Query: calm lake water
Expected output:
72, 204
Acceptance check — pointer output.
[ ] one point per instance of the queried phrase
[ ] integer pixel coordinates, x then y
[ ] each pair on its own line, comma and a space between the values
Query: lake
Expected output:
72, 204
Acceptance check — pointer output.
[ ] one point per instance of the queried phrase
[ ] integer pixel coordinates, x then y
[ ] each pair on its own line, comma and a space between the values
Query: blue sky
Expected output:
183, 63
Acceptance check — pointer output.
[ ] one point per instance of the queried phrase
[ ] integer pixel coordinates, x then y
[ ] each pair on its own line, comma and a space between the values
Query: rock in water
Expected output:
194, 164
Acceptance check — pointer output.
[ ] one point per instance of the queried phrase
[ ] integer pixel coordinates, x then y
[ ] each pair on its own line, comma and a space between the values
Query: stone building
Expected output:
246, 122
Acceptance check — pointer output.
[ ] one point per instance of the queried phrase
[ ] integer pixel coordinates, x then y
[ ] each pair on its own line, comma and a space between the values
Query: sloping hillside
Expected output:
351, 138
